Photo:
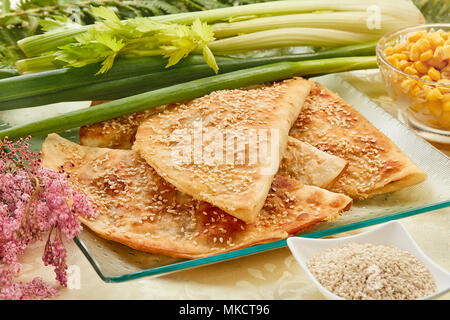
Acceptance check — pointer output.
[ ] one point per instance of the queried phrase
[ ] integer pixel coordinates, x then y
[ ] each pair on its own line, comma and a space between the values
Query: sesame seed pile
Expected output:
369, 271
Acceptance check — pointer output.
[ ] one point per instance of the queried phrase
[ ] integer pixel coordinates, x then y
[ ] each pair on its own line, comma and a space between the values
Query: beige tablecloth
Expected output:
269, 275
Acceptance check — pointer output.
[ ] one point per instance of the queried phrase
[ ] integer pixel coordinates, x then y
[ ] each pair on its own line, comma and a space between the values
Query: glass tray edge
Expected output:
189, 264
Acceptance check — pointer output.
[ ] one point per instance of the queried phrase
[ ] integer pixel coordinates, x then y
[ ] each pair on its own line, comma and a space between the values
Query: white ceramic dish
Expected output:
390, 233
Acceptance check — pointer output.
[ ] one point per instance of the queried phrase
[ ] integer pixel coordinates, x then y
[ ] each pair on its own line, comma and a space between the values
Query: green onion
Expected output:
187, 91
65, 78
137, 75
7, 73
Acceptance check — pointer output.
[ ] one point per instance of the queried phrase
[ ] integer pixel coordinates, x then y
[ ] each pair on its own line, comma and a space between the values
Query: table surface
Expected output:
269, 275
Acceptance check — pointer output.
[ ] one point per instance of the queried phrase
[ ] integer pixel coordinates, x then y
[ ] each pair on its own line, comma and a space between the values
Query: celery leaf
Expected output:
111, 37
209, 58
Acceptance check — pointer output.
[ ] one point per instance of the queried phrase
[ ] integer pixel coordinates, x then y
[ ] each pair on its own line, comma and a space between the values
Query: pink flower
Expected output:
36, 289
34, 200
55, 254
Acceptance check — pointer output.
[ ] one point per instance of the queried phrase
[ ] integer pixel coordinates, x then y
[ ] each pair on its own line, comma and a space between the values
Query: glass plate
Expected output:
117, 263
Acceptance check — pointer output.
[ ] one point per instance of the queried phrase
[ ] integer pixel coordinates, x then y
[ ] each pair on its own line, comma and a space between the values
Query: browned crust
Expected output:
375, 164
117, 133
239, 190
141, 210
328, 123
167, 248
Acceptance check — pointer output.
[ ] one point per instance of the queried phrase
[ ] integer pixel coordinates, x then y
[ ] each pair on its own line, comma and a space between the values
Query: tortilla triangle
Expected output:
224, 148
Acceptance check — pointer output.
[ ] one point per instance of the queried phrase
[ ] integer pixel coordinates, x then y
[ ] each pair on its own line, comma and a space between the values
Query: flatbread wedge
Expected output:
235, 141
375, 164
118, 133
301, 161
309, 165
143, 211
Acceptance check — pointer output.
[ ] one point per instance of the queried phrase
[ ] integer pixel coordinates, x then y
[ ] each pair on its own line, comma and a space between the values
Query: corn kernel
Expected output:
414, 53
434, 74
427, 55
389, 51
435, 108
400, 56
399, 47
416, 36
408, 47
434, 95
438, 64
406, 53
392, 60
402, 64
423, 44
411, 71
420, 84
420, 66
442, 53
436, 40
446, 106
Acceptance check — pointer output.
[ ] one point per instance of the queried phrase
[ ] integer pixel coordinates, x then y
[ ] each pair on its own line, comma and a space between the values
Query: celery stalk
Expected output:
38, 44
402, 11
346, 21
37, 64
288, 37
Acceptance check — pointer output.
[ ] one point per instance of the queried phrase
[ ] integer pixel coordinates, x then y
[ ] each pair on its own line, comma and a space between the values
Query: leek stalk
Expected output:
7, 73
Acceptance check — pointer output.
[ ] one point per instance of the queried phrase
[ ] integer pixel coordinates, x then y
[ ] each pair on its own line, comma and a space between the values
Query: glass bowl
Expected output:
424, 104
